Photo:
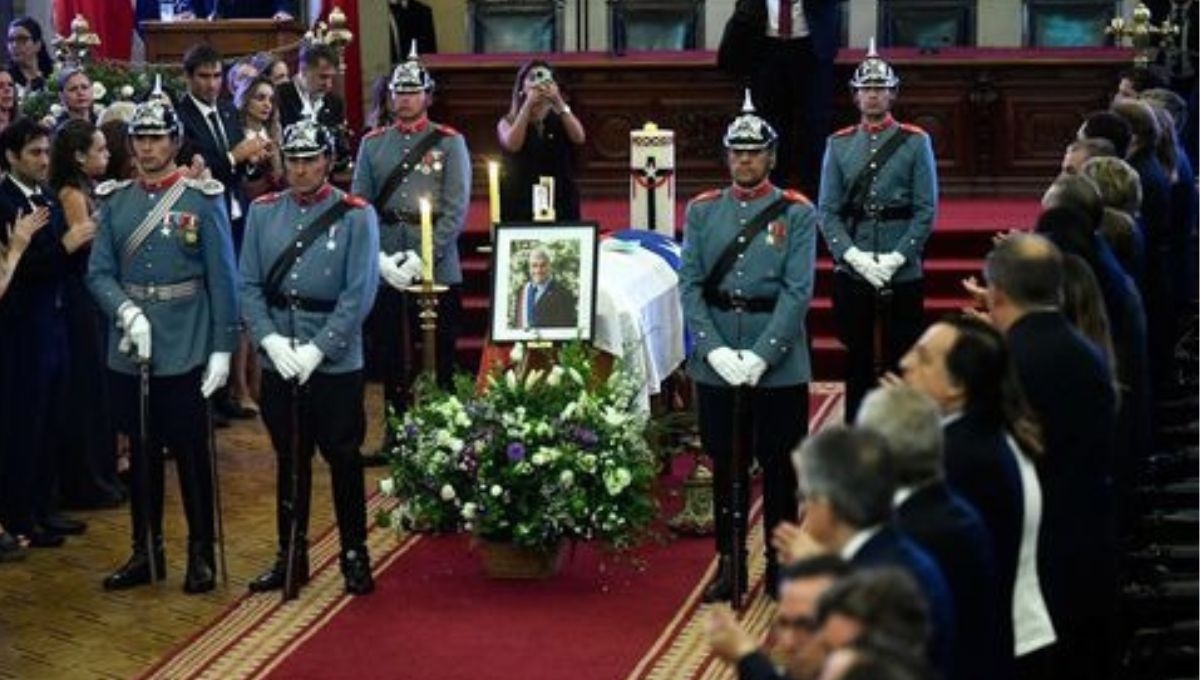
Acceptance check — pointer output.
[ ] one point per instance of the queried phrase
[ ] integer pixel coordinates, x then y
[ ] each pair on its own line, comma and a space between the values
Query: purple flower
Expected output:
586, 437
516, 451
410, 431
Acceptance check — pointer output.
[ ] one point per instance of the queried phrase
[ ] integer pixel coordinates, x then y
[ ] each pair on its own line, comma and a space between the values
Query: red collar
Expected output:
876, 128
419, 126
313, 197
164, 183
764, 187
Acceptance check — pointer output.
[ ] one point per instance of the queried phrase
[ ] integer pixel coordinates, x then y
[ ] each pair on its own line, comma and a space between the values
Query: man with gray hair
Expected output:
942, 523
543, 301
1069, 389
847, 479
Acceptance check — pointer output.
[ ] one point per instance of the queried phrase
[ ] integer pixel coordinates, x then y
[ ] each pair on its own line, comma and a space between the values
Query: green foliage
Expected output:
541, 456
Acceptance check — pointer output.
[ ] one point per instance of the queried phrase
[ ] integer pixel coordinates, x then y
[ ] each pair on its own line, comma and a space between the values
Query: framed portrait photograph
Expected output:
544, 281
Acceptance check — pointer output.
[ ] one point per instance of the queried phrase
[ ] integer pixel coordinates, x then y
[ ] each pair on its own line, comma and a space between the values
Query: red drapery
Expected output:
112, 20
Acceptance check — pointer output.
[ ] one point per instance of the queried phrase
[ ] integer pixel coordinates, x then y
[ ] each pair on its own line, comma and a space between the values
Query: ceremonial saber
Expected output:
738, 454
218, 515
144, 468
290, 591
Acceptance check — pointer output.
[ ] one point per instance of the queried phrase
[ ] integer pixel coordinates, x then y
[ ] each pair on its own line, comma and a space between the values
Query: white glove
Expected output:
410, 266
866, 266
279, 350
215, 374
389, 270
137, 330
309, 357
726, 363
891, 263
754, 366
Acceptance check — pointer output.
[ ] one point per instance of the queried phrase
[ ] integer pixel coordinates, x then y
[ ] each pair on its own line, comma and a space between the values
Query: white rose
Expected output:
56, 110
126, 91
496, 491
387, 486
448, 492
98, 90
468, 510
517, 353
567, 478
539, 458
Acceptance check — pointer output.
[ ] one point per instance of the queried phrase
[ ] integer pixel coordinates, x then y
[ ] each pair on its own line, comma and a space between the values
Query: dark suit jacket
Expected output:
950, 530
980, 466
890, 547
823, 17
198, 139
34, 292
556, 308
414, 22
1069, 389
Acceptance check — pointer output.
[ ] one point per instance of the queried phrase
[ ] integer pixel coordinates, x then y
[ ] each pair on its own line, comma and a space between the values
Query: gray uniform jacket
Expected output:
183, 277
908, 178
780, 263
443, 174
341, 265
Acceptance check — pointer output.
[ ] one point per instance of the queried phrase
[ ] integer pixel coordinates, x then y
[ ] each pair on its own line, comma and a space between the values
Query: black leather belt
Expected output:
877, 212
726, 302
303, 304
402, 217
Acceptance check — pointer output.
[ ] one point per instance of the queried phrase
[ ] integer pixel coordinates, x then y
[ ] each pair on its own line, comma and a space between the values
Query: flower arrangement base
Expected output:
508, 561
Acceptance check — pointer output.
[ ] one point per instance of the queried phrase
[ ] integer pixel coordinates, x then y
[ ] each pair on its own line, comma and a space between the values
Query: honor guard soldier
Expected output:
309, 276
746, 282
397, 166
878, 201
162, 268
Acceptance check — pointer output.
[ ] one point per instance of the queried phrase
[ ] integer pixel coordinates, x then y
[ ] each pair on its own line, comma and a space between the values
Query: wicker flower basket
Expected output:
508, 561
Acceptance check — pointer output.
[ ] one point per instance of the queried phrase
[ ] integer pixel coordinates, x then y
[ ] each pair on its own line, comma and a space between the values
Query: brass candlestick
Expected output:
1142, 33
74, 49
427, 299
336, 33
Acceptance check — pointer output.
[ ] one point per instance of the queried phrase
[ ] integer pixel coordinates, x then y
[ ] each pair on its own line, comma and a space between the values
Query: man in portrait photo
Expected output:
542, 301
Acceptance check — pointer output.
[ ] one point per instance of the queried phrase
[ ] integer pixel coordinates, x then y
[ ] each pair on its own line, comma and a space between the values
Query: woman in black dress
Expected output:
539, 135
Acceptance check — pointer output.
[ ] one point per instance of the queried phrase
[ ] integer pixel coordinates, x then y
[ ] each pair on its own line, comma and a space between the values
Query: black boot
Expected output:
356, 571
201, 574
721, 588
274, 578
136, 571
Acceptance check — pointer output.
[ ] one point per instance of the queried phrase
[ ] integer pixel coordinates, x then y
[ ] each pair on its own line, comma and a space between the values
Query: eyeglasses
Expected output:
803, 623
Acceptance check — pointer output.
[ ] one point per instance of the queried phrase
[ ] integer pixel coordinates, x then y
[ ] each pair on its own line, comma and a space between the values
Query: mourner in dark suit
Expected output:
847, 479
311, 93
33, 340
1069, 388
543, 302
963, 364
785, 49
945, 525
411, 20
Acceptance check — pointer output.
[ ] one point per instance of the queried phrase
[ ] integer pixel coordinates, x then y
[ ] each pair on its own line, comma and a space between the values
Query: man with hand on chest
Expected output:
309, 276
162, 269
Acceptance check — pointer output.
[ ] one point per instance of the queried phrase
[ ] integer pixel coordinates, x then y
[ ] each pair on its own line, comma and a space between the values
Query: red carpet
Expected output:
434, 616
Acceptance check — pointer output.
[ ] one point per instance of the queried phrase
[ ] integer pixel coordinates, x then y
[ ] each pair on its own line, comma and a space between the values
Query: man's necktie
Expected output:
785, 18
216, 130
530, 305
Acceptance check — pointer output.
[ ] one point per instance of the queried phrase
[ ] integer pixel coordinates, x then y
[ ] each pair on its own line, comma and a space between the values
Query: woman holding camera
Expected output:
539, 135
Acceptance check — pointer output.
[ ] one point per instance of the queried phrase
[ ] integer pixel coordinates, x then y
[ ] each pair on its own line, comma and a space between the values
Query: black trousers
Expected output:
857, 305
179, 422
400, 365
793, 90
775, 421
330, 415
